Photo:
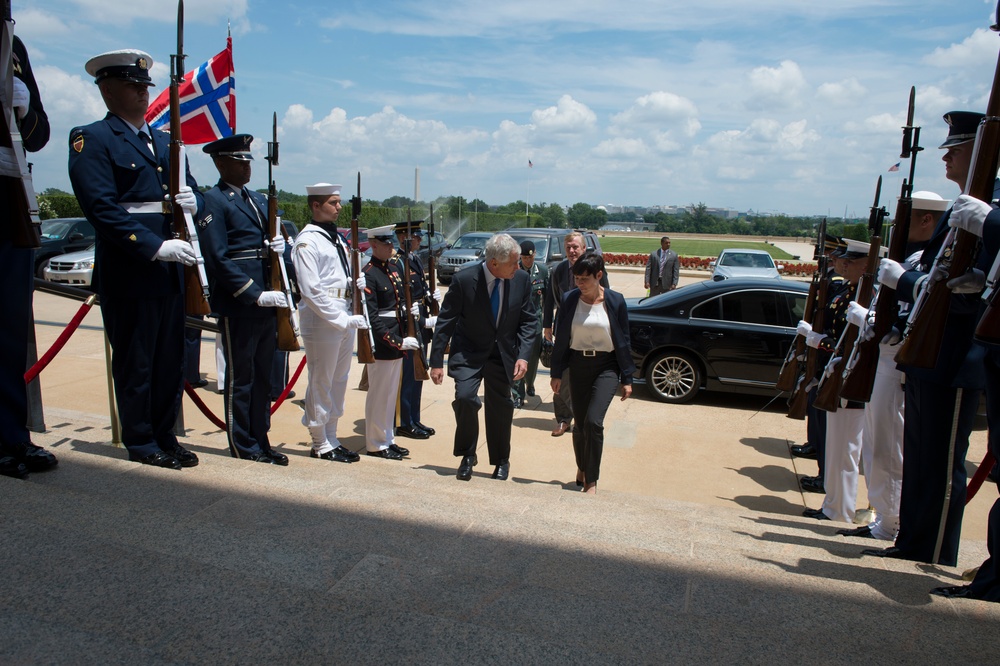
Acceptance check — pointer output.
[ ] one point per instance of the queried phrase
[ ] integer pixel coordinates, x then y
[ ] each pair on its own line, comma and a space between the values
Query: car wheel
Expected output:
40, 268
673, 377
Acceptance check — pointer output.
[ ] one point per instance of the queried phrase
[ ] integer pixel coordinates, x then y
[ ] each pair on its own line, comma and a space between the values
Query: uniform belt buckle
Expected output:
167, 207
590, 352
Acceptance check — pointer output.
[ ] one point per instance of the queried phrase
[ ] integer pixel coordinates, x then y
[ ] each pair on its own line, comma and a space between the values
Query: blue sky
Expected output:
771, 105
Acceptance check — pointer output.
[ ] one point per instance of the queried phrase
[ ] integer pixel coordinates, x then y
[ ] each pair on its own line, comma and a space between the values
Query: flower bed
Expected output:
696, 263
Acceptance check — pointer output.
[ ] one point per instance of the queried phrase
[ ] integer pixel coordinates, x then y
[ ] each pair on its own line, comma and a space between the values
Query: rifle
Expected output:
859, 372
419, 358
828, 393
925, 328
288, 318
988, 329
195, 278
798, 402
790, 368
16, 188
431, 280
366, 341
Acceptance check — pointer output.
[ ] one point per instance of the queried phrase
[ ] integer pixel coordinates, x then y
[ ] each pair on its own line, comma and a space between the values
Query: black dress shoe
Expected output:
388, 454
399, 449
291, 394
952, 591
891, 551
278, 457
259, 457
530, 392
339, 454
429, 430
199, 383
35, 458
815, 513
158, 459
811, 484
183, 456
412, 432
807, 450
465, 468
865, 532
13, 468
502, 470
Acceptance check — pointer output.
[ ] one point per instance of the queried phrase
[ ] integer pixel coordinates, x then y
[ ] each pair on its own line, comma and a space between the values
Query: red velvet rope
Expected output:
291, 383
61, 341
980, 476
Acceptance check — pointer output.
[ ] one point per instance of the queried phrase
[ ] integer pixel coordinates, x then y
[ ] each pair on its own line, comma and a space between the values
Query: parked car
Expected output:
423, 252
75, 268
729, 335
466, 250
549, 247
363, 243
744, 263
62, 235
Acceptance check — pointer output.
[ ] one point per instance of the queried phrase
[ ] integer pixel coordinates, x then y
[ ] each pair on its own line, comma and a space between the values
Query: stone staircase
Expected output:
111, 562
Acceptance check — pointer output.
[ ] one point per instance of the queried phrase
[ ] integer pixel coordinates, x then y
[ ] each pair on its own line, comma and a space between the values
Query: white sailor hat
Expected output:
384, 234
127, 64
323, 189
859, 249
926, 200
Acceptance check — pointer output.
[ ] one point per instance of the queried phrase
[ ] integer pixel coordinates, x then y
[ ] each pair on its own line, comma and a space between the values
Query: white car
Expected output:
744, 263
75, 268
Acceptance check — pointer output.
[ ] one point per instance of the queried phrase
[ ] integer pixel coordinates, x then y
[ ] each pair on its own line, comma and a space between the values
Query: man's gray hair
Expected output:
501, 247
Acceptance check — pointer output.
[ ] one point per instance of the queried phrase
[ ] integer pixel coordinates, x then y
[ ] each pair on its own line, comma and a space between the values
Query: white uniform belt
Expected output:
387, 313
161, 207
339, 292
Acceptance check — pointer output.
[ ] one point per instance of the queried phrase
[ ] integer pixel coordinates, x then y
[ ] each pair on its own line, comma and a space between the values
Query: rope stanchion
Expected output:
979, 477
204, 408
291, 383
61, 341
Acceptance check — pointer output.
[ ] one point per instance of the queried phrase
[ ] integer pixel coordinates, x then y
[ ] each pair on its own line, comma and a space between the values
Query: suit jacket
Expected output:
671, 272
229, 229
108, 166
561, 281
614, 305
466, 321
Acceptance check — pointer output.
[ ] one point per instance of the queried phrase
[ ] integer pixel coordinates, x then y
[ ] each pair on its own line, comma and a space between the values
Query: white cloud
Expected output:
776, 87
620, 148
567, 117
979, 47
842, 93
124, 12
660, 108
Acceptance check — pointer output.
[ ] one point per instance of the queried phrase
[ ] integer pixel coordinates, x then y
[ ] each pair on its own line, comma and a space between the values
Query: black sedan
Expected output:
720, 336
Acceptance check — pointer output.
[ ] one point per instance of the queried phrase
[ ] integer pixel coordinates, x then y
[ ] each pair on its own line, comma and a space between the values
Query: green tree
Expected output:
553, 216
583, 216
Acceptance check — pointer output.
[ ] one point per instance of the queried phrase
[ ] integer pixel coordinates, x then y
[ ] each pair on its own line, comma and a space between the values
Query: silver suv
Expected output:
549, 248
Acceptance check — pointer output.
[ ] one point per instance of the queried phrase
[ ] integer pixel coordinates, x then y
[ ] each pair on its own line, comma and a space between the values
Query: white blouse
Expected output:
591, 329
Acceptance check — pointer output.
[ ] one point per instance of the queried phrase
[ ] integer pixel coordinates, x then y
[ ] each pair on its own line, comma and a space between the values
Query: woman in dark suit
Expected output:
591, 341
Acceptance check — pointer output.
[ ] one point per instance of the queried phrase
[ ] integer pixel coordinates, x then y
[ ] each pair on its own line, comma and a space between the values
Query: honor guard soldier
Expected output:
120, 171
387, 314
18, 456
325, 320
411, 390
538, 274
233, 234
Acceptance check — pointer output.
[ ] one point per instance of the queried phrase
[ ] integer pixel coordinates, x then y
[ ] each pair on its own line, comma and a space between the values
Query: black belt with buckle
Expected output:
246, 255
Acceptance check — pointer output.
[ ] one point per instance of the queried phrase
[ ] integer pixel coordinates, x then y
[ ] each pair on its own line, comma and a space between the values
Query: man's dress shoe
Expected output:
199, 383
465, 468
530, 392
278, 457
339, 454
158, 459
811, 484
865, 532
412, 432
388, 454
952, 592
9, 466
806, 450
260, 457
35, 458
560, 429
399, 449
183, 456
502, 470
429, 430
815, 513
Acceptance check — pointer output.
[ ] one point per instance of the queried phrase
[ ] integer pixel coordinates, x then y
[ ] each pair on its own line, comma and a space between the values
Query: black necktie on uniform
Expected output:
148, 140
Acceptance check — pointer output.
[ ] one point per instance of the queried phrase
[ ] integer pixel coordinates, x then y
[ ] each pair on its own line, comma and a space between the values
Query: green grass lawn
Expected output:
686, 247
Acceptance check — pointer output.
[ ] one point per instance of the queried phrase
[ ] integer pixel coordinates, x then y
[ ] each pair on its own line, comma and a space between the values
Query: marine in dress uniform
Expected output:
410, 389
18, 456
538, 277
387, 314
120, 171
233, 233
325, 320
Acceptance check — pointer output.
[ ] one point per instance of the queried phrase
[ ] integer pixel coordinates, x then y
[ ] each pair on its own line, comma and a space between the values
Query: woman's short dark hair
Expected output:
589, 264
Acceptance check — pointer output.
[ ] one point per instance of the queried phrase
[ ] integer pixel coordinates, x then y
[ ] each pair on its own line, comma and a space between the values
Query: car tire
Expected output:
443, 279
674, 377
40, 268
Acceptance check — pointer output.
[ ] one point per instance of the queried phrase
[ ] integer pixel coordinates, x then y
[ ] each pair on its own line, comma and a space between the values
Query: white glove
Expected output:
857, 314
813, 338
889, 272
272, 299
438, 296
176, 250
969, 214
360, 282
804, 328
430, 322
22, 98
892, 337
277, 244
831, 367
358, 322
409, 343
972, 282
185, 199
415, 310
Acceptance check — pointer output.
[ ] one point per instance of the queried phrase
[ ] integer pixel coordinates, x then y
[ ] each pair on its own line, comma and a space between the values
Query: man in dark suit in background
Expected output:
488, 319
663, 270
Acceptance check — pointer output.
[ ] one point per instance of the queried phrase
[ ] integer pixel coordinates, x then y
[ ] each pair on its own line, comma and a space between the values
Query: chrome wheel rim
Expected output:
673, 377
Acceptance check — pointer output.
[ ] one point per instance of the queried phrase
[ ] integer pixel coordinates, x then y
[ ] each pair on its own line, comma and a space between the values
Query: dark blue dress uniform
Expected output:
411, 390
384, 293
232, 232
17, 268
142, 299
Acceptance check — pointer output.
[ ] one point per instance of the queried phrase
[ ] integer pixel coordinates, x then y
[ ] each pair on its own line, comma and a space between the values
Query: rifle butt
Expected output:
365, 352
195, 302
420, 373
922, 345
287, 340
798, 404
828, 393
786, 378
858, 384
988, 329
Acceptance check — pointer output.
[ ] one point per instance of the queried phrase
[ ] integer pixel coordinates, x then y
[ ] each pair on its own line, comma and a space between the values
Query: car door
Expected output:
80, 237
745, 334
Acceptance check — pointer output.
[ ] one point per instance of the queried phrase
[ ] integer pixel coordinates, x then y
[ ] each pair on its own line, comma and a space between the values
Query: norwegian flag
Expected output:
208, 101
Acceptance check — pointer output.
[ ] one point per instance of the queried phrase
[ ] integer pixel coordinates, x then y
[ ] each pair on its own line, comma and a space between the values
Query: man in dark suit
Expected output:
233, 231
663, 270
488, 319
120, 171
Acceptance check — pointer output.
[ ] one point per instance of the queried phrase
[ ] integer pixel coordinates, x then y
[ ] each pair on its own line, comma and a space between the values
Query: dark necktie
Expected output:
249, 201
148, 140
495, 300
